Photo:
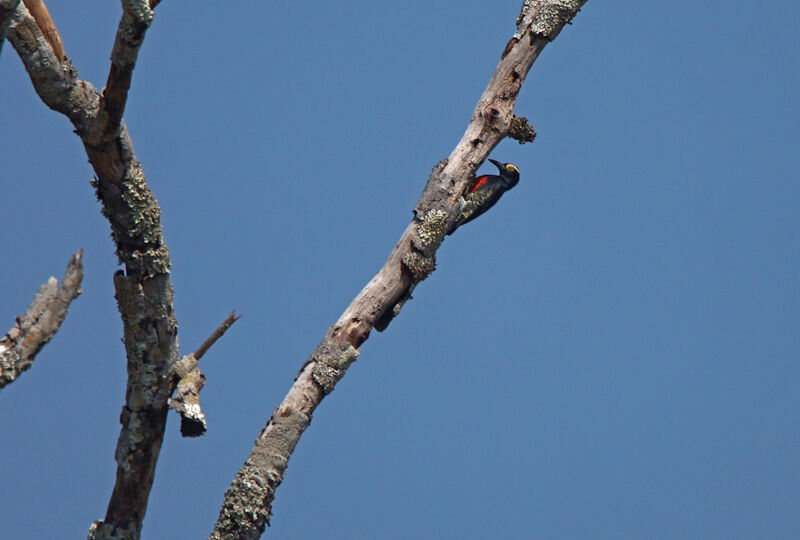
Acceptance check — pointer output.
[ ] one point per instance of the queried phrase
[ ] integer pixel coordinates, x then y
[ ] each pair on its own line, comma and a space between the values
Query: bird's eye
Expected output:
511, 168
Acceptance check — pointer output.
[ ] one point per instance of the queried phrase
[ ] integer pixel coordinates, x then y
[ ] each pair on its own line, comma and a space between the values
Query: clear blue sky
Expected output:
613, 352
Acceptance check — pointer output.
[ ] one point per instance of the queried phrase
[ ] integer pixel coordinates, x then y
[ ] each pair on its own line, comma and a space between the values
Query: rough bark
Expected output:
40, 322
186, 400
246, 507
143, 289
136, 18
45, 23
7, 8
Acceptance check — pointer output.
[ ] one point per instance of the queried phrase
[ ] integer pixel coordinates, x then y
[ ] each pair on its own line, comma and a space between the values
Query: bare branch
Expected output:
7, 8
218, 333
45, 23
56, 83
248, 500
143, 290
136, 18
247, 503
186, 400
40, 322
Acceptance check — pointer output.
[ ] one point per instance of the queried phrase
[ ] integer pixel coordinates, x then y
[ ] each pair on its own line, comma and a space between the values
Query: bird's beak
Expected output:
497, 164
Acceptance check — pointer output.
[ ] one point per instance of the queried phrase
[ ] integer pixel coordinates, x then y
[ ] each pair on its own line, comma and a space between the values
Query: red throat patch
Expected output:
479, 181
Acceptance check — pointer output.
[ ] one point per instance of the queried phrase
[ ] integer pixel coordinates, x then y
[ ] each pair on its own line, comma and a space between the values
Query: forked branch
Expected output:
144, 288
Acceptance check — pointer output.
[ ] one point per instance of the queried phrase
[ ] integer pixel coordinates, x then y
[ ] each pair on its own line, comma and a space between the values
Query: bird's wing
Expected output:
478, 182
483, 205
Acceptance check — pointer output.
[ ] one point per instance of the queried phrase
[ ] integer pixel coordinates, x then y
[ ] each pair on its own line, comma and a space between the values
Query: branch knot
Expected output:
520, 130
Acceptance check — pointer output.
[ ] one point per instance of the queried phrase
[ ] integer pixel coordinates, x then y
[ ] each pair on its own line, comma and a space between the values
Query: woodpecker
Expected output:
485, 191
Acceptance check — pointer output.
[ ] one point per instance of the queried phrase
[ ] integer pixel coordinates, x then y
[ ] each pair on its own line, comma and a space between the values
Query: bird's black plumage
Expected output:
485, 191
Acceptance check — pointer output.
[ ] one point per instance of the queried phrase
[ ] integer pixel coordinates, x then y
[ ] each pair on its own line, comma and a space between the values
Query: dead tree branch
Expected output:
186, 400
45, 23
246, 507
40, 322
136, 18
7, 8
218, 333
144, 288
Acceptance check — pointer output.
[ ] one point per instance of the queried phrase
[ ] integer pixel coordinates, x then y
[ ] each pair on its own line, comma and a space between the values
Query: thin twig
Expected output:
186, 399
218, 333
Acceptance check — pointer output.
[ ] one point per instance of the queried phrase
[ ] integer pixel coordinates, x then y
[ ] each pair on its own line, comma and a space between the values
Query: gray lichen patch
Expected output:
100, 530
553, 15
524, 10
145, 214
432, 229
248, 501
184, 366
135, 219
331, 360
245, 507
520, 130
133, 425
546, 17
139, 10
186, 399
419, 265
144, 226
149, 386
437, 189
144, 327
136, 18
